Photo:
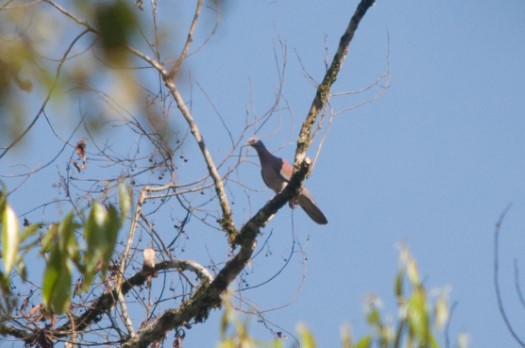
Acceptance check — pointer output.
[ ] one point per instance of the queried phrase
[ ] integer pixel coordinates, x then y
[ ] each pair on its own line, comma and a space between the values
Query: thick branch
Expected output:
226, 221
208, 296
106, 301
323, 90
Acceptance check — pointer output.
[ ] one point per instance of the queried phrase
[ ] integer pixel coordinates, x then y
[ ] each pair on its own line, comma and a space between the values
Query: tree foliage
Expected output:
420, 320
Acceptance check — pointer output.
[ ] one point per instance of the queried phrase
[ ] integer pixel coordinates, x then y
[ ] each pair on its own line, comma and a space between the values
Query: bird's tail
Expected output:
307, 203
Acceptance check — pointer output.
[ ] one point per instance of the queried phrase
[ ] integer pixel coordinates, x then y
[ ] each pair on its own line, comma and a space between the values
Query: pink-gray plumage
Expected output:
276, 172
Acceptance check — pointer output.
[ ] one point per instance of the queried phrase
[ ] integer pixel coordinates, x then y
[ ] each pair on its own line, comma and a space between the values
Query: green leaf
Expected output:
306, 337
30, 231
94, 235
115, 22
49, 238
374, 317
410, 266
9, 238
112, 228
68, 241
56, 287
418, 318
365, 342
346, 336
441, 312
125, 201
398, 285
63, 248
100, 232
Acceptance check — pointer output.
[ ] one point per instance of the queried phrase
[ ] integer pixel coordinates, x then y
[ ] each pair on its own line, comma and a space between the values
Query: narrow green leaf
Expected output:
100, 232
5, 284
374, 317
433, 342
346, 336
410, 266
94, 235
49, 238
306, 337
51, 276
9, 238
62, 295
412, 272
2, 199
125, 201
365, 342
22, 269
112, 228
56, 286
68, 242
441, 312
418, 318
398, 285
29, 231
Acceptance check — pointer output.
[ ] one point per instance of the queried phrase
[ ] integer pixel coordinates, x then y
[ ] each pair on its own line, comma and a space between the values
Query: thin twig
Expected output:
189, 40
496, 277
48, 96
447, 327
517, 284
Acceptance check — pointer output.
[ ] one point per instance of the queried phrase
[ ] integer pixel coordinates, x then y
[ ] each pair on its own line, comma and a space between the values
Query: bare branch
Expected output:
517, 284
323, 90
208, 296
48, 96
105, 302
189, 40
226, 221
496, 277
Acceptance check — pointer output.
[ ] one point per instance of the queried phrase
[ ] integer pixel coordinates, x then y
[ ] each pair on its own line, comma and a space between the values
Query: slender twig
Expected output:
517, 284
496, 277
189, 40
447, 327
72, 16
125, 315
226, 221
133, 227
48, 96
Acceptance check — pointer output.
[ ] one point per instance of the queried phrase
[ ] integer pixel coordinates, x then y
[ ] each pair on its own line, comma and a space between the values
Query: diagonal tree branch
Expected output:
323, 90
106, 301
226, 222
208, 296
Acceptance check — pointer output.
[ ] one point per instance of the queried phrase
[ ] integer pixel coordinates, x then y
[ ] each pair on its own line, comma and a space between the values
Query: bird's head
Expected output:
255, 142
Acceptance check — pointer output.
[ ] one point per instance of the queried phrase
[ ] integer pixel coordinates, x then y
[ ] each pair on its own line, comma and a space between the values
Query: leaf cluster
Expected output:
60, 247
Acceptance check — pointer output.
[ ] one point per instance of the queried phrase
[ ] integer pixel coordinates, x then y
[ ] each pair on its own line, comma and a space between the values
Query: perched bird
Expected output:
276, 173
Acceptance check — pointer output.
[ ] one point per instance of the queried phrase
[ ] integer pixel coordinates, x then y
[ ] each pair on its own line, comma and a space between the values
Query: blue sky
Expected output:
432, 163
